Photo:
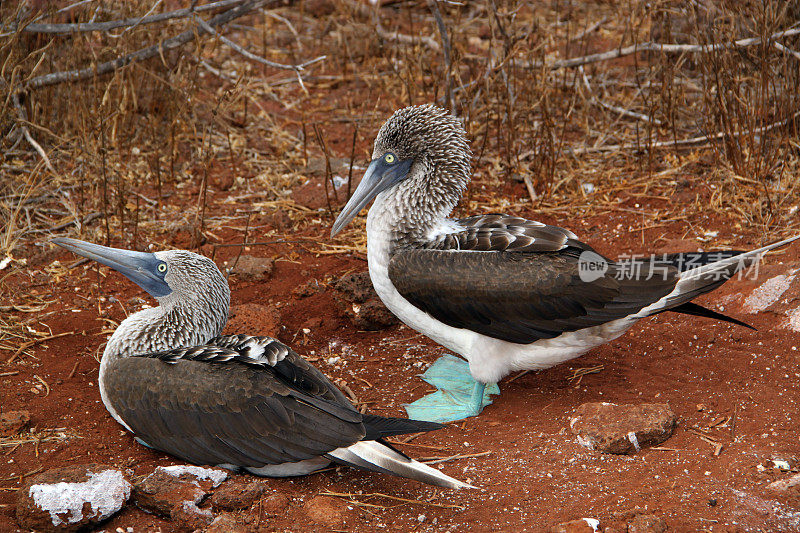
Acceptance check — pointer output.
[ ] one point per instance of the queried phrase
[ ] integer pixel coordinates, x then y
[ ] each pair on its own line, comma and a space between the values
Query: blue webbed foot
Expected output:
459, 396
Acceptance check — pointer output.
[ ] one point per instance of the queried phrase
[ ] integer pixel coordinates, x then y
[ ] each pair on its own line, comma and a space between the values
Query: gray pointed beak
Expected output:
139, 267
378, 177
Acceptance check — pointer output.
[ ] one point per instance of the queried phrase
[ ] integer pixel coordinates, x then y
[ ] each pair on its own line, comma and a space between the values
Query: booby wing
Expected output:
214, 404
498, 233
528, 287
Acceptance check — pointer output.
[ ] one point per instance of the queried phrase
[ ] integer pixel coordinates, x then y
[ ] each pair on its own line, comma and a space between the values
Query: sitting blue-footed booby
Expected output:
503, 292
235, 401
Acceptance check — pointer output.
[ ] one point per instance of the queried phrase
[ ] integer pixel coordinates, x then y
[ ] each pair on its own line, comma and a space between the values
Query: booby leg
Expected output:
458, 395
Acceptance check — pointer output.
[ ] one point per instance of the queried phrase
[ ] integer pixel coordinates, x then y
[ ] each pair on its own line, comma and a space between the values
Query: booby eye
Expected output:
389, 158
162, 267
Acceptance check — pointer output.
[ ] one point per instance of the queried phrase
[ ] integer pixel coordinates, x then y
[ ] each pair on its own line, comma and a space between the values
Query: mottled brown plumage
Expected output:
233, 412
521, 296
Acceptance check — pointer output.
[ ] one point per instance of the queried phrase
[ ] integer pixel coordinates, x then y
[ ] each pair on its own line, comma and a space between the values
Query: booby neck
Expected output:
173, 324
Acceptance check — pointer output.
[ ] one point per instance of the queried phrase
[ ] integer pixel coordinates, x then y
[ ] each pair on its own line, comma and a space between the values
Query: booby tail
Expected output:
701, 279
378, 456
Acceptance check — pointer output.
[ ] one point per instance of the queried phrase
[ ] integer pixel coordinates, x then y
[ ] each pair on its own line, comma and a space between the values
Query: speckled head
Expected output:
421, 156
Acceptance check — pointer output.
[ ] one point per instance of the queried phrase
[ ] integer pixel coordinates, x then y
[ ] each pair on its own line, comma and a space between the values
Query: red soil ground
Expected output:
738, 386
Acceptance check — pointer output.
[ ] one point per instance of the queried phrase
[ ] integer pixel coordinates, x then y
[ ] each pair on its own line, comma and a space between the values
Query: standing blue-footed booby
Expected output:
235, 401
503, 292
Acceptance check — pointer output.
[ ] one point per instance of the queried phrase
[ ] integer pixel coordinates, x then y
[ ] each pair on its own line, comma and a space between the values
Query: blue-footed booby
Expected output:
503, 292
236, 401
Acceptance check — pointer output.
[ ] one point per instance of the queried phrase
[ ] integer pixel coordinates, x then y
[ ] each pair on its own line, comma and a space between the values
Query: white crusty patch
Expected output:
593, 523
633, 440
768, 292
216, 476
586, 442
794, 320
106, 492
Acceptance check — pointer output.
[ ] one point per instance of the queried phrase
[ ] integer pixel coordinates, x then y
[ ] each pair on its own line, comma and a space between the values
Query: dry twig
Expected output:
144, 53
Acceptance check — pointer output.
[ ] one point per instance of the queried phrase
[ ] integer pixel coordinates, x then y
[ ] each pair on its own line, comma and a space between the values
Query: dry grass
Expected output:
144, 151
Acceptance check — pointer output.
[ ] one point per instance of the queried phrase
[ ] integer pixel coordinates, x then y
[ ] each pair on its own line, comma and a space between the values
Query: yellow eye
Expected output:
162, 267
389, 158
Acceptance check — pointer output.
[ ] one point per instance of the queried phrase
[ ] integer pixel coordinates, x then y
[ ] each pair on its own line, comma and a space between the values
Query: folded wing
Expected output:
528, 287
213, 405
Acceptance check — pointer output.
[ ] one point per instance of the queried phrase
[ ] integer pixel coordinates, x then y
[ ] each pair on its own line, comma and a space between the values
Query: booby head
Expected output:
169, 276
421, 156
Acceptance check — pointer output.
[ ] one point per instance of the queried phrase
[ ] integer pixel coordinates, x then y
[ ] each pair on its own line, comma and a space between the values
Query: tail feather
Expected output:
379, 426
699, 280
375, 456
691, 308
688, 260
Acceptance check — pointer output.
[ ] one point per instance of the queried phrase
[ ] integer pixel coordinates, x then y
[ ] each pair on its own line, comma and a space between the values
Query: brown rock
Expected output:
167, 487
647, 523
187, 516
372, 316
356, 287
12, 422
358, 301
226, 523
309, 288
324, 510
275, 503
237, 495
252, 268
573, 526
253, 319
622, 429
783, 485
71, 498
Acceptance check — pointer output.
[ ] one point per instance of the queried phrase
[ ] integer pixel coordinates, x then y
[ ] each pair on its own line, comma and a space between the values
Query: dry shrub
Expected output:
126, 143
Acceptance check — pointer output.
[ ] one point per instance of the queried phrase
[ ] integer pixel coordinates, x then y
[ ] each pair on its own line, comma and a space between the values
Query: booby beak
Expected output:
380, 176
140, 267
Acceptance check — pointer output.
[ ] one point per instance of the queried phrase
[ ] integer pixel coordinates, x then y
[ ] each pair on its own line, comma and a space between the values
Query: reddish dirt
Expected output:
534, 475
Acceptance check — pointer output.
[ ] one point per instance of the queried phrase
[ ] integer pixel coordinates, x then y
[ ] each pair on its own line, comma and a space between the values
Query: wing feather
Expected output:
522, 296
246, 412
499, 232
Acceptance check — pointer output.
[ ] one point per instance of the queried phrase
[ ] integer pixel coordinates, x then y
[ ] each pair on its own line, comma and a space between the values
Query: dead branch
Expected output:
123, 23
617, 109
693, 141
144, 53
787, 50
287, 22
249, 55
587, 31
446, 46
406, 39
297, 68
659, 47
365, 11
22, 119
